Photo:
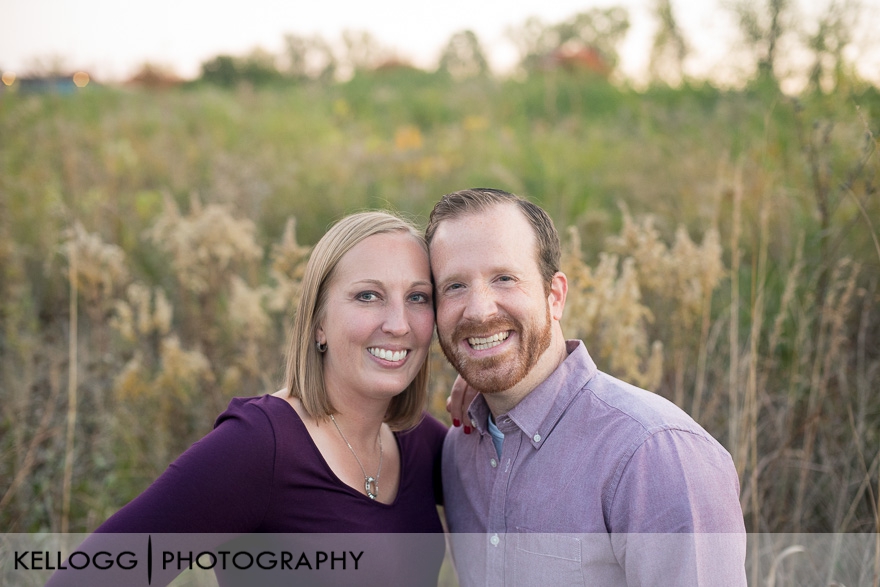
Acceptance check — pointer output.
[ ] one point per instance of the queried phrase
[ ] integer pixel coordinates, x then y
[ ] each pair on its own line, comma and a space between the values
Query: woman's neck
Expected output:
359, 418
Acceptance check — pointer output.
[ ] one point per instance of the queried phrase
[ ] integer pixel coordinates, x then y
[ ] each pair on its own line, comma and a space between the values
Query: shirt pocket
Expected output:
546, 559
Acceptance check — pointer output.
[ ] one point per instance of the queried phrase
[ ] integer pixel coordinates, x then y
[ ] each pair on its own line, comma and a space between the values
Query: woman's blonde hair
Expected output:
304, 377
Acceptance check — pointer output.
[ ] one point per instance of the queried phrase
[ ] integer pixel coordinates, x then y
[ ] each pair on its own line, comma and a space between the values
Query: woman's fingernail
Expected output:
456, 422
467, 429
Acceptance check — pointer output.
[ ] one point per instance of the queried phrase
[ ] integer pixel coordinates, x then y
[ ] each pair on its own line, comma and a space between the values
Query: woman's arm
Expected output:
460, 397
221, 486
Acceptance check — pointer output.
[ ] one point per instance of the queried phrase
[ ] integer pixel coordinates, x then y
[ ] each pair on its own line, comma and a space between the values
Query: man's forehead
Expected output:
502, 239
487, 216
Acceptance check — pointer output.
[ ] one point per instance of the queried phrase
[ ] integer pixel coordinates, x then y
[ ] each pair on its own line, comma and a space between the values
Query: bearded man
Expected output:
570, 475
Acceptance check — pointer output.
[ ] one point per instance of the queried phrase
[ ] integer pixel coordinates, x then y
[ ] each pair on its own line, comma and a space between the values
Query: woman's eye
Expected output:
420, 298
367, 296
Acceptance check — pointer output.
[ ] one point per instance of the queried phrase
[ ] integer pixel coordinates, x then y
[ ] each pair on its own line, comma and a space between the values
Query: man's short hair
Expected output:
475, 200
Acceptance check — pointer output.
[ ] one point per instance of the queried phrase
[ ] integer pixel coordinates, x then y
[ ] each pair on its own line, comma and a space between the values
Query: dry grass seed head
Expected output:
144, 312
246, 310
132, 382
604, 308
684, 275
289, 260
100, 266
205, 244
181, 370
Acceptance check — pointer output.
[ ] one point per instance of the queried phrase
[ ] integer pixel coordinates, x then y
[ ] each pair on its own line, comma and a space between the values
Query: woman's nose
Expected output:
396, 320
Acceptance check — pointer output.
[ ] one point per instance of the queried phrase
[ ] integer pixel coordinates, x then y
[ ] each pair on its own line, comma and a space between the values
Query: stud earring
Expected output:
322, 347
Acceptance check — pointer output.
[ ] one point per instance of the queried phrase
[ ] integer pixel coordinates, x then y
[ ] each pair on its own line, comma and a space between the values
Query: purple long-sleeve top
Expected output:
259, 471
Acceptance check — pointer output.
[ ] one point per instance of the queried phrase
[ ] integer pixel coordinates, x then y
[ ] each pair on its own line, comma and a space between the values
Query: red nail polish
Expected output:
467, 429
456, 422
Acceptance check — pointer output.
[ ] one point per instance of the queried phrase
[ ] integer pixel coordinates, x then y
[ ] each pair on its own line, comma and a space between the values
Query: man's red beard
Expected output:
503, 371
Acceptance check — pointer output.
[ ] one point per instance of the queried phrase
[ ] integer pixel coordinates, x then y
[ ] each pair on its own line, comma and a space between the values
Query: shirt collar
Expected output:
537, 414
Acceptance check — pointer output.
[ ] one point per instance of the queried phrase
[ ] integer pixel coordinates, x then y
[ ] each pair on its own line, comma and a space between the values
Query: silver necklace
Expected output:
371, 484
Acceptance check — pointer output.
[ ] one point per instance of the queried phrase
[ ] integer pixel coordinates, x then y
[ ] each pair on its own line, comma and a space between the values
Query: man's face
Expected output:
493, 315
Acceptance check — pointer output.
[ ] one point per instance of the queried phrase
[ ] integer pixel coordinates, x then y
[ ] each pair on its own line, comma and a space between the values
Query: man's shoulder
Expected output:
622, 404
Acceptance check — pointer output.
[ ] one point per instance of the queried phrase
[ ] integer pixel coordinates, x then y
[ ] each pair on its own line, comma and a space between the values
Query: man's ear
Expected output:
558, 292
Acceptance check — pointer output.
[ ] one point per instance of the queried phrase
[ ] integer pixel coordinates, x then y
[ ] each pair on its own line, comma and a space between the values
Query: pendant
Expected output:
372, 487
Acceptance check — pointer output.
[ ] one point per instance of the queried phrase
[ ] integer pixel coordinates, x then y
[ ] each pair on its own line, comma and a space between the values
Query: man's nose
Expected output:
481, 304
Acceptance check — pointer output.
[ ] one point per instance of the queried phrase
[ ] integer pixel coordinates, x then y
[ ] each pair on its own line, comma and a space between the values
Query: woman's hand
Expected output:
459, 400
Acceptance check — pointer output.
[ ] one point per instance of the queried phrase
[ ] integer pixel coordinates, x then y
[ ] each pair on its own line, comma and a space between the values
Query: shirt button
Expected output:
536, 438
493, 462
494, 540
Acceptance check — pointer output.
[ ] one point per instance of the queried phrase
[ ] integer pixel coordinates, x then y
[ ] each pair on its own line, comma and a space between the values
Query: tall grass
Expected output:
720, 247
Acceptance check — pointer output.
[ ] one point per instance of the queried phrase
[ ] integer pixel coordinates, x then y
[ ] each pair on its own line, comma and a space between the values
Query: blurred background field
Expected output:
721, 243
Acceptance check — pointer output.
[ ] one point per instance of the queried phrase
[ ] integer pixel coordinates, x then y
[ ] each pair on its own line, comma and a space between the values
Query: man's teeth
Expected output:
480, 344
392, 356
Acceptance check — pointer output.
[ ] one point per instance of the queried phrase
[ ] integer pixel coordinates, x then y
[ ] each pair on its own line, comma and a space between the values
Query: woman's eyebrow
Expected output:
418, 283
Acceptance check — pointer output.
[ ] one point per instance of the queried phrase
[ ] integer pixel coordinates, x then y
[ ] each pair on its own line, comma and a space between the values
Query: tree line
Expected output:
588, 43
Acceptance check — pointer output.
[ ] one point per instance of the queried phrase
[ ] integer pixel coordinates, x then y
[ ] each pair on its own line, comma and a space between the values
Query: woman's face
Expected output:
379, 317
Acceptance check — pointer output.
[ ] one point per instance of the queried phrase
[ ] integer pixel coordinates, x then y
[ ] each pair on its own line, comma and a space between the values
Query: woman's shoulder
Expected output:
263, 423
259, 409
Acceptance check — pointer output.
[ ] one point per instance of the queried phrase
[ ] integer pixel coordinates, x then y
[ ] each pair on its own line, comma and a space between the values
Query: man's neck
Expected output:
503, 401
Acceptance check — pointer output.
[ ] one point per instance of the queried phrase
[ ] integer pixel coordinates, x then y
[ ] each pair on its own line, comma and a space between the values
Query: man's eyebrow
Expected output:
448, 278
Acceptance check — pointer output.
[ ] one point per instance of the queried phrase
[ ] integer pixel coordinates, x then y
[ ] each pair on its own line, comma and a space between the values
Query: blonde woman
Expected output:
346, 446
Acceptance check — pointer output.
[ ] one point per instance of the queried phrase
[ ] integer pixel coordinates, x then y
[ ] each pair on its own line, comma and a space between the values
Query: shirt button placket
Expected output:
495, 562
497, 526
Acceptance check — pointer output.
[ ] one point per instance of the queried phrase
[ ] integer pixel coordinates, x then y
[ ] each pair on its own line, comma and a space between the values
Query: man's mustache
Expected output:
470, 329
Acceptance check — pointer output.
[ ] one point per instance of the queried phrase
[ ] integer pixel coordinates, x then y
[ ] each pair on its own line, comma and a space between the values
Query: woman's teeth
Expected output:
392, 356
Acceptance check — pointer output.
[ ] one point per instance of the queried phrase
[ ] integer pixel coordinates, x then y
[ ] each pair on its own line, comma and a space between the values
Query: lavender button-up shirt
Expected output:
598, 483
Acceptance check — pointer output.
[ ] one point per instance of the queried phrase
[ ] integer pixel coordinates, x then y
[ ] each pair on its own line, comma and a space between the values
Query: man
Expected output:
570, 475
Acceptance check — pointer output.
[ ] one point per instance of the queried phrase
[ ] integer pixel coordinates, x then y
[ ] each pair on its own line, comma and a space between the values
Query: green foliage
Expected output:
463, 57
669, 48
833, 34
763, 24
309, 58
750, 297
600, 29
221, 70
258, 69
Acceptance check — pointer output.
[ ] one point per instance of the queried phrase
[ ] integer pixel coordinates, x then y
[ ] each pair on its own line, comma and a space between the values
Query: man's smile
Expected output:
483, 343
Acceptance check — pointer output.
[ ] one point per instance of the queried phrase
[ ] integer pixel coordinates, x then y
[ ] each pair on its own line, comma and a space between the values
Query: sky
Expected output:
112, 38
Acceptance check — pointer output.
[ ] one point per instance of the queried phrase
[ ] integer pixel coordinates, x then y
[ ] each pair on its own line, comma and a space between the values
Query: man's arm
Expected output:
675, 516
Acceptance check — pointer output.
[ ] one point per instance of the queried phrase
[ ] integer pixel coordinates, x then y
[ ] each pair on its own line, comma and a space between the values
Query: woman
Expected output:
344, 448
